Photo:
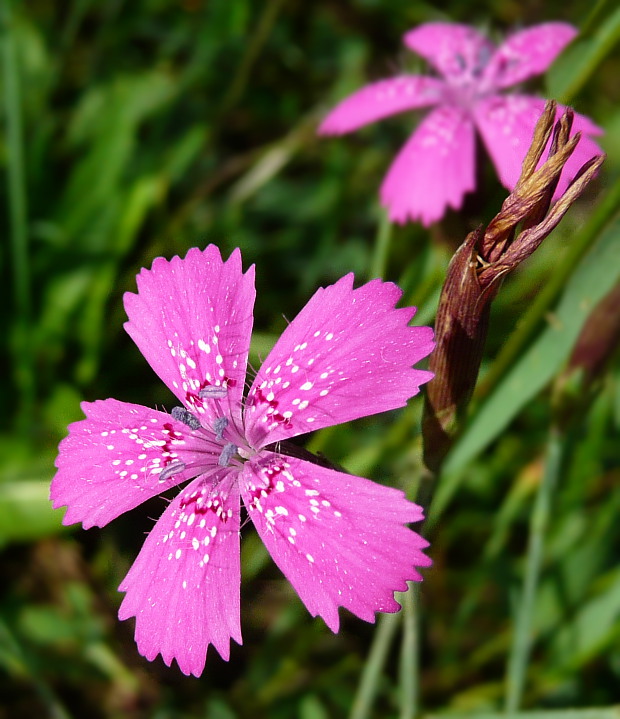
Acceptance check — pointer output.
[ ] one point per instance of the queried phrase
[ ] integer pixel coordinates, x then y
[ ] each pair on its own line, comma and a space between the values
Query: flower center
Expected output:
467, 85
183, 415
219, 426
229, 450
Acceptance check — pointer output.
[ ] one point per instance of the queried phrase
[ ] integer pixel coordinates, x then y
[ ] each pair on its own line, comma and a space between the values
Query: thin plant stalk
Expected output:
18, 665
409, 678
382, 246
256, 41
18, 213
612, 712
522, 636
383, 636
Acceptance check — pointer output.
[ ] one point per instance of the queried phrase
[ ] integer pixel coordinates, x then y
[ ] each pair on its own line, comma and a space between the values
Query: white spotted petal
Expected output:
348, 354
192, 320
340, 540
184, 585
113, 460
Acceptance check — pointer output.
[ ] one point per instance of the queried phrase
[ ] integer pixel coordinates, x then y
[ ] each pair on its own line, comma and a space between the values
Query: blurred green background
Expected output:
137, 129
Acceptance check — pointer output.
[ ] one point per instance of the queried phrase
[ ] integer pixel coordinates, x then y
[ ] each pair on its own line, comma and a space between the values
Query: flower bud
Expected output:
477, 268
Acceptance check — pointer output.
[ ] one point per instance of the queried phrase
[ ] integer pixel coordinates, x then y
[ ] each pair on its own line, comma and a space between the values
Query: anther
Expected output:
213, 392
219, 426
228, 453
183, 415
171, 470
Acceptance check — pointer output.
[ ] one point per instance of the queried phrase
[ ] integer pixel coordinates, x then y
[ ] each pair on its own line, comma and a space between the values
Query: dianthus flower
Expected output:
341, 540
436, 167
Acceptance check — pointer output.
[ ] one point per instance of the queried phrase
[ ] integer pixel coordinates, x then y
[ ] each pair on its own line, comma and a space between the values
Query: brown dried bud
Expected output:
477, 268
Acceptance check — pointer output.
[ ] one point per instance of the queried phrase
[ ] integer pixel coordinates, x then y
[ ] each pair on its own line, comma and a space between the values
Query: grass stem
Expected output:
378, 263
387, 626
522, 636
409, 656
23, 365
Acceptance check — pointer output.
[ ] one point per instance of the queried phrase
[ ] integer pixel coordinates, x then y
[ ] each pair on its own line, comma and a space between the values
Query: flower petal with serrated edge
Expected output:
452, 49
184, 586
340, 540
348, 354
381, 99
434, 170
110, 462
507, 126
192, 320
528, 53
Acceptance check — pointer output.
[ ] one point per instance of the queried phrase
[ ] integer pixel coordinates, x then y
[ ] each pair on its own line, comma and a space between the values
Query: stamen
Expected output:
171, 470
228, 453
219, 426
183, 415
213, 392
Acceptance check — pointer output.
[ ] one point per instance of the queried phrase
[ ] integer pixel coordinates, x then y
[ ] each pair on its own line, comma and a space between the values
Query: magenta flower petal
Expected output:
453, 50
506, 124
184, 586
192, 320
112, 461
434, 170
381, 99
347, 354
528, 53
339, 539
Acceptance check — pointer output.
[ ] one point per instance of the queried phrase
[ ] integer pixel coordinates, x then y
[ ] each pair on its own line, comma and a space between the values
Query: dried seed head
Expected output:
477, 268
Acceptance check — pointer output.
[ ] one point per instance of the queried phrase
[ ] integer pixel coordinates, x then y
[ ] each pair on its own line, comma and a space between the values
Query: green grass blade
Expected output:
522, 636
18, 211
579, 63
387, 626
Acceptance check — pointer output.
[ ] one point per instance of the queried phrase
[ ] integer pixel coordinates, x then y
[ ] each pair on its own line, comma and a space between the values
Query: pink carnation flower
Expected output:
341, 540
436, 167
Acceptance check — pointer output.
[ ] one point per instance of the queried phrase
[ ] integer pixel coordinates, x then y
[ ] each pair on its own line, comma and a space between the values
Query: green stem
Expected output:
373, 668
522, 636
612, 712
382, 246
18, 213
409, 657
256, 41
18, 665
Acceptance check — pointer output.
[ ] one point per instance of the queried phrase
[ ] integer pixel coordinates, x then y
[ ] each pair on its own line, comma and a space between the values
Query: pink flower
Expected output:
436, 167
340, 540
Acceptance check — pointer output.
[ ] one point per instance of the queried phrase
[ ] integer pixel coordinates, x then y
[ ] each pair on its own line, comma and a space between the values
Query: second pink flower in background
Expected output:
436, 167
